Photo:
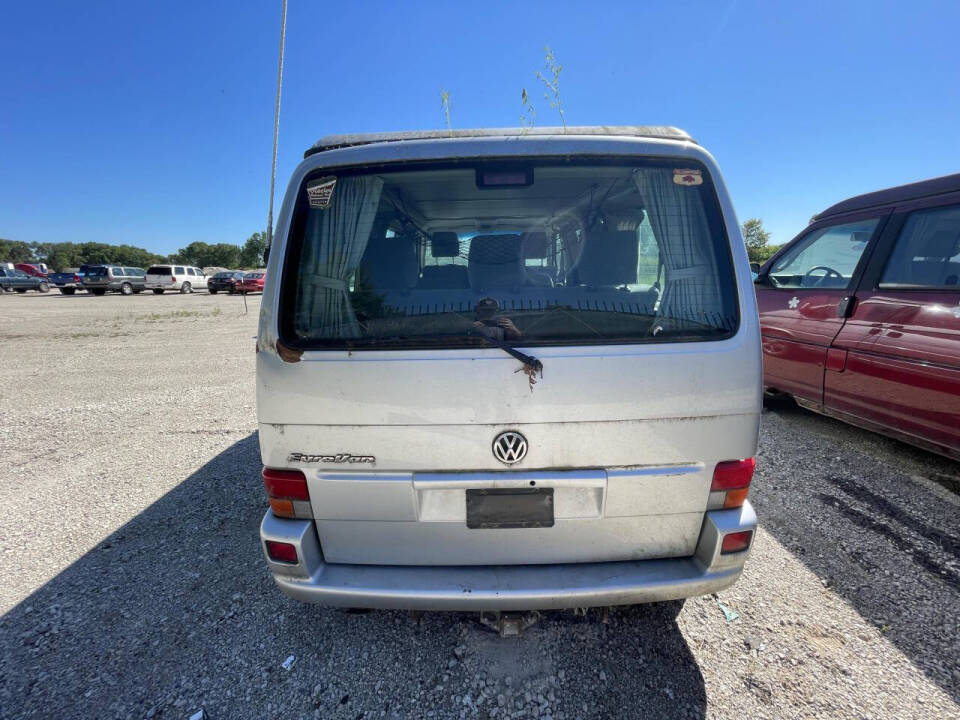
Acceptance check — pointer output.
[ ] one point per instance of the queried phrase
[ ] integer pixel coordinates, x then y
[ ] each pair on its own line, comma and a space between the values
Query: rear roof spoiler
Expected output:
660, 132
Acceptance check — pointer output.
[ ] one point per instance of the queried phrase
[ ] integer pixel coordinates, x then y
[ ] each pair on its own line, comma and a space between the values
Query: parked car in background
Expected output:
101, 279
860, 314
226, 281
34, 269
13, 280
182, 278
251, 282
67, 282
84, 269
558, 410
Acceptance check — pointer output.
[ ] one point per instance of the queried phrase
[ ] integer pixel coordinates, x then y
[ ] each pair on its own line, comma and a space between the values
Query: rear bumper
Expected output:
506, 587
154, 285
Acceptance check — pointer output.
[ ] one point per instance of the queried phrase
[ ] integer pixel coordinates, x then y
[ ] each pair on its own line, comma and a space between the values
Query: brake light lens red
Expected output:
735, 542
733, 474
288, 493
281, 551
731, 482
287, 484
172, 279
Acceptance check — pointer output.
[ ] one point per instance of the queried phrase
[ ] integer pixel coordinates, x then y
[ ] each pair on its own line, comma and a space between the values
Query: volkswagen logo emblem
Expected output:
510, 447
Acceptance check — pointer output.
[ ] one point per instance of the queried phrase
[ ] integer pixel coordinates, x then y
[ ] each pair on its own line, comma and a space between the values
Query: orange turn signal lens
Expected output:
734, 499
282, 508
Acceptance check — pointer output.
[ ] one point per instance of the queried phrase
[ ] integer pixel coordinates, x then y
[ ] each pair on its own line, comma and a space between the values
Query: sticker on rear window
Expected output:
320, 192
687, 177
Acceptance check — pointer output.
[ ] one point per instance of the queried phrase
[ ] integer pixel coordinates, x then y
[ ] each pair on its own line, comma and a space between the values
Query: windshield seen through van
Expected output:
528, 254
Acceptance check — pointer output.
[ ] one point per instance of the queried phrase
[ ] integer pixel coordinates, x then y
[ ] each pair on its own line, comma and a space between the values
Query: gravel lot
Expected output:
132, 584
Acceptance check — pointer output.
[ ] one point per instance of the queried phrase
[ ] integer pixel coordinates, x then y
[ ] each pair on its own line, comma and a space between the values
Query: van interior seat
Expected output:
932, 265
609, 259
534, 247
439, 277
496, 262
391, 263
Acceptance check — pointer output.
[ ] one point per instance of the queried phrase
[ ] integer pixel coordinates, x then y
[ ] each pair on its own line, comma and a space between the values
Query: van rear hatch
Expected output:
532, 360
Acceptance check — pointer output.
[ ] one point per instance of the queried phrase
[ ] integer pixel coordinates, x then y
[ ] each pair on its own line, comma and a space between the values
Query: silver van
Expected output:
507, 370
101, 279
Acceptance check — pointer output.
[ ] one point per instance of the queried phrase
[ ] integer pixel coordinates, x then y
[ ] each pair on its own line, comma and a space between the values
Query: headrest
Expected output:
534, 245
860, 236
445, 244
391, 263
940, 244
495, 262
609, 258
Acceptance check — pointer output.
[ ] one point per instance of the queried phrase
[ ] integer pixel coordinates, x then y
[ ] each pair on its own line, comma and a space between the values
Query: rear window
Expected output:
927, 253
96, 271
534, 253
159, 270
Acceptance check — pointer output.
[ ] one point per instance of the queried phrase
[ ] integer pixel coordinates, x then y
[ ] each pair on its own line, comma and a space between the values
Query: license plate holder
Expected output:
509, 508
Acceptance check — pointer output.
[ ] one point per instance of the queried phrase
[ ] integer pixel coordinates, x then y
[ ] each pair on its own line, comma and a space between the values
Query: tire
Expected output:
67, 291
98, 291
212, 291
43, 287
158, 291
126, 289
185, 288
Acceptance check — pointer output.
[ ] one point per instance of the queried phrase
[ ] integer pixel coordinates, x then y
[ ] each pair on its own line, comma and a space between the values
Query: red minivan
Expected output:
860, 314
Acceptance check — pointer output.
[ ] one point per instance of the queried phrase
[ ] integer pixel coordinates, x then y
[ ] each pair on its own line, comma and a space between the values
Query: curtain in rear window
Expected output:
335, 241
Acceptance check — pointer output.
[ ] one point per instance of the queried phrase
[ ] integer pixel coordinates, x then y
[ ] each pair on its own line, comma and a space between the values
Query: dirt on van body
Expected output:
132, 585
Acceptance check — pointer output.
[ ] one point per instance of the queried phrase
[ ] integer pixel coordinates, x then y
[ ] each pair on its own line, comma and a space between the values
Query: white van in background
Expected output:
181, 278
507, 370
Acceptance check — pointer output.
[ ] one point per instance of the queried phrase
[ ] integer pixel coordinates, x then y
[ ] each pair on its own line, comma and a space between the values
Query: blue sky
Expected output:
151, 123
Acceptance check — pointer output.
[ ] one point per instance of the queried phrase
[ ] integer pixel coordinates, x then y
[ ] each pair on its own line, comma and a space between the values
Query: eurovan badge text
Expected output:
338, 458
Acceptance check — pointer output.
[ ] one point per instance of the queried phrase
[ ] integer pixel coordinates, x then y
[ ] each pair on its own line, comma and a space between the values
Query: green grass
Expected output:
178, 315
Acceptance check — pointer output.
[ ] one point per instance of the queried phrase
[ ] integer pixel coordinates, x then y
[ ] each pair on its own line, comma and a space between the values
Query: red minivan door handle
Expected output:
845, 308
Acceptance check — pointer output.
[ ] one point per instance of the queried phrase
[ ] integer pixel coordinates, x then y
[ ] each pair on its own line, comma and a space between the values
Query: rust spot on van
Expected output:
288, 354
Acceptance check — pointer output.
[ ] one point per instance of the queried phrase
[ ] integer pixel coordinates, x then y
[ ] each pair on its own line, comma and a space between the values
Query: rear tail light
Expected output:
736, 542
76, 278
281, 551
287, 492
731, 483
172, 279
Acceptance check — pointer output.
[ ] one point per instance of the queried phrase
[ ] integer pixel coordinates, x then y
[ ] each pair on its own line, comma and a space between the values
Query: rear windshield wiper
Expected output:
531, 366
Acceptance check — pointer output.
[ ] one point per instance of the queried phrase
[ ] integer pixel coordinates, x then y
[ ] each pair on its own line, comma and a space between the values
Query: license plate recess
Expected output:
509, 508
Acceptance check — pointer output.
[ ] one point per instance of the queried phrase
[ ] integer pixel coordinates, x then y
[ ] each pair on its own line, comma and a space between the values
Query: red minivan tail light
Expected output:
281, 551
736, 542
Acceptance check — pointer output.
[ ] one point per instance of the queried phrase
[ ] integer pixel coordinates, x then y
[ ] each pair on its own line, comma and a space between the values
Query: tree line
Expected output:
757, 239
62, 255
66, 254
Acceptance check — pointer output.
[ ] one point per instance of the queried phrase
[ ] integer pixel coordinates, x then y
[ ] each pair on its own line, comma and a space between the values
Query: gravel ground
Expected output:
132, 584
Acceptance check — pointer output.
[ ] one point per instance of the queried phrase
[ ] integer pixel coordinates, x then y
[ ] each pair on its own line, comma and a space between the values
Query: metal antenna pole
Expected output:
276, 126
